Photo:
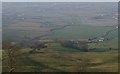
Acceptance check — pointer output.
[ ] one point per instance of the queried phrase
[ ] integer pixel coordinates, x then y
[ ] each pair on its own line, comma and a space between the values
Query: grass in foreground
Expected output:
53, 60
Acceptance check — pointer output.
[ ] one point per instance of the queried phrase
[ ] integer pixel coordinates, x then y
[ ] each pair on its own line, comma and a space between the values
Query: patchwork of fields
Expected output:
51, 21
27, 22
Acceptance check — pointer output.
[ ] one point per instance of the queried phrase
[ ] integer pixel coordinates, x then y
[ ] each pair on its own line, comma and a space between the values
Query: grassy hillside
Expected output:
59, 59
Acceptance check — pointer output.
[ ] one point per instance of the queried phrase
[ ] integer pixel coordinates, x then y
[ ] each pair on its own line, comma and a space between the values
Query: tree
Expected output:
37, 46
10, 48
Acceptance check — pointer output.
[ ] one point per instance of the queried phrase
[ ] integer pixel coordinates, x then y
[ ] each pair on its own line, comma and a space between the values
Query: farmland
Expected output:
62, 29
61, 18
81, 32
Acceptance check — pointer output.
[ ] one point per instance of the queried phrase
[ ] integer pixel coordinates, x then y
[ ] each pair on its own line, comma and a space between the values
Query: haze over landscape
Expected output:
83, 34
60, 0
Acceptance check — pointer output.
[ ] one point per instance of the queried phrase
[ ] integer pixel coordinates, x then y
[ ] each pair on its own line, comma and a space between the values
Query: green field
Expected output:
80, 32
56, 59
111, 43
106, 45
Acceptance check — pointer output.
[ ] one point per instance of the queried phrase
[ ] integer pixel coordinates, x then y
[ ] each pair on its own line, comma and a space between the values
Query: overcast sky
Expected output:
59, 0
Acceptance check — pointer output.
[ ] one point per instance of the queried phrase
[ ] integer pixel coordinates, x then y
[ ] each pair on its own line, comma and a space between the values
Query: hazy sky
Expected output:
59, 0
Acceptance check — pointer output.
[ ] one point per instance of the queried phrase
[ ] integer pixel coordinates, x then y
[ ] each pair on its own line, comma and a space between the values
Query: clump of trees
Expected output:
80, 45
36, 46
